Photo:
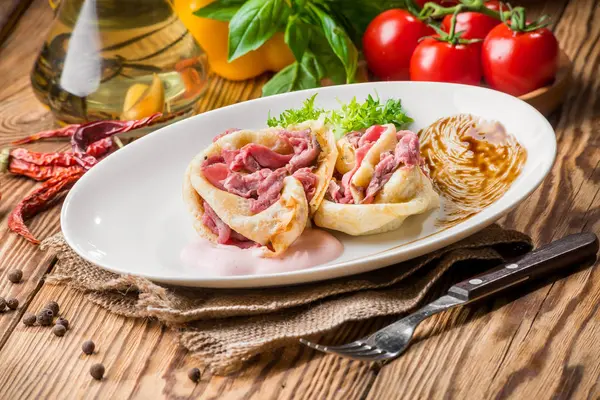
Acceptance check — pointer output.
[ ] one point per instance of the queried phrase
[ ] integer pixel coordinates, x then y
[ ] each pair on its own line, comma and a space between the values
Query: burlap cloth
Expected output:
227, 327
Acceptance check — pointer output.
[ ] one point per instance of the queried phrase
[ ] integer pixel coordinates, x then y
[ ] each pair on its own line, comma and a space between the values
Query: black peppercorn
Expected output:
53, 306
2, 304
29, 319
97, 371
12, 303
88, 347
59, 330
15, 275
44, 317
63, 321
194, 374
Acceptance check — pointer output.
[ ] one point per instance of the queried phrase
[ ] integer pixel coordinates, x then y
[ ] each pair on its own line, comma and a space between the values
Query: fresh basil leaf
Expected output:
300, 3
296, 76
220, 10
331, 65
339, 41
297, 36
281, 82
254, 23
310, 64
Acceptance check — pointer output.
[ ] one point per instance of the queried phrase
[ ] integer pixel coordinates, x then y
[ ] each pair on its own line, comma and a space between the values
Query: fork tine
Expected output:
356, 345
313, 345
364, 349
351, 347
360, 353
363, 352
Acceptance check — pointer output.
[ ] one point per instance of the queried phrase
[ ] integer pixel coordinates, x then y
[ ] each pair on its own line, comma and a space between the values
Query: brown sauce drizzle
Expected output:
472, 163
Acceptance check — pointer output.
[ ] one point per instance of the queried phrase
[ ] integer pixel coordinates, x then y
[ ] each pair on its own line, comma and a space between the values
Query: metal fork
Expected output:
391, 341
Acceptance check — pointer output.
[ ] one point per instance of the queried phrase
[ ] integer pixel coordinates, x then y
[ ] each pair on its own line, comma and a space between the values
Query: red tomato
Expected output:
519, 62
390, 40
474, 25
446, 3
437, 61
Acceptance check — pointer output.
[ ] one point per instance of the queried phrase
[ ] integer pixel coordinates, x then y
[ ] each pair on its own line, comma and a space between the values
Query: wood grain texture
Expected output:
19, 115
10, 12
542, 344
144, 361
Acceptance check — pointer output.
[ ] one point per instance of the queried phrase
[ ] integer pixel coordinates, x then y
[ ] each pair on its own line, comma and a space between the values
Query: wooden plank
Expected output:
10, 12
142, 359
22, 114
291, 375
19, 115
541, 344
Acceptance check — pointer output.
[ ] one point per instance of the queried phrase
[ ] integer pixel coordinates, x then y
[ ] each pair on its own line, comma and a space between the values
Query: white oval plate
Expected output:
127, 214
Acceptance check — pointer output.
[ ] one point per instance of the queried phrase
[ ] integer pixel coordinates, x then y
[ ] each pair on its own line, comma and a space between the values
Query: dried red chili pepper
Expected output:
100, 148
60, 170
39, 172
59, 158
40, 199
67, 131
90, 133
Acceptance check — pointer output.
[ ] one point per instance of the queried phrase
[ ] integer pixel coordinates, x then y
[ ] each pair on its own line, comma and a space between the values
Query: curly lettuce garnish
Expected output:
351, 116
307, 112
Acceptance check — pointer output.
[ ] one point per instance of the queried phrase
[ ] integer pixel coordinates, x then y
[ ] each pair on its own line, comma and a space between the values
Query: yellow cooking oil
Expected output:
118, 59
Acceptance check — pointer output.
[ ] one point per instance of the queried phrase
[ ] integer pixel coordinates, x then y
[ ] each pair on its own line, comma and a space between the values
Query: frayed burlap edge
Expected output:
225, 328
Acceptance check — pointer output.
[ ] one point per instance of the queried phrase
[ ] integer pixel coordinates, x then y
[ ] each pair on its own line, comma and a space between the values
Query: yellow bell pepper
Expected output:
212, 35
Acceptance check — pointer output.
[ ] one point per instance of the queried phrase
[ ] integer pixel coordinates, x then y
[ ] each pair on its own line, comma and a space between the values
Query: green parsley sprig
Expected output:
356, 116
351, 116
293, 116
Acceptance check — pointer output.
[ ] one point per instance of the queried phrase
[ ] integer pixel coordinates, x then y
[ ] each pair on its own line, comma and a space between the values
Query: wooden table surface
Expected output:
543, 344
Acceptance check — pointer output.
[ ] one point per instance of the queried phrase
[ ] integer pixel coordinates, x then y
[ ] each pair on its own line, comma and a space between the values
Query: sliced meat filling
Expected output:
405, 154
215, 171
341, 194
257, 172
308, 181
268, 190
245, 185
253, 157
363, 143
225, 234
306, 149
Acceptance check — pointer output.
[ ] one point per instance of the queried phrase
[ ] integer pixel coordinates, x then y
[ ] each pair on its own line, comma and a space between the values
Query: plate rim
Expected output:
388, 257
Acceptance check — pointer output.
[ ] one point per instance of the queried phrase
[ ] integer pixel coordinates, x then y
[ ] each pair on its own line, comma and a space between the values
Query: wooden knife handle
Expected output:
561, 254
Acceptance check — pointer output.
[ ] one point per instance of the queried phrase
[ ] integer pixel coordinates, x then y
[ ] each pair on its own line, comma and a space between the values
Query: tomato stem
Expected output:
518, 21
515, 17
452, 37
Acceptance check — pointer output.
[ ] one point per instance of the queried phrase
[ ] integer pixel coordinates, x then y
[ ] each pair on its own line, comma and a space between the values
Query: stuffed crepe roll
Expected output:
379, 182
258, 189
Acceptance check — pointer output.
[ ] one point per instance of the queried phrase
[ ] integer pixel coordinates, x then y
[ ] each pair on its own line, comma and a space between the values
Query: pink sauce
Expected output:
313, 247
